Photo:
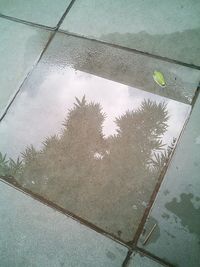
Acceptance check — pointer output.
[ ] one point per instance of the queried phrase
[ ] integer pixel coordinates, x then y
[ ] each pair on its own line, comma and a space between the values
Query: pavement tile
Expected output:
140, 260
125, 67
34, 234
166, 28
20, 49
44, 12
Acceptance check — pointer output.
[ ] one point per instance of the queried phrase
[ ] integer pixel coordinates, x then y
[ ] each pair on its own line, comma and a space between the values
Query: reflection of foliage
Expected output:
3, 164
160, 159
15, 167
29, 154
9, 167
139, 135
83, 130
102, 173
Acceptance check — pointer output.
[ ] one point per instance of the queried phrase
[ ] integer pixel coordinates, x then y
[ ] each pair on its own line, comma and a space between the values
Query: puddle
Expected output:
91, 145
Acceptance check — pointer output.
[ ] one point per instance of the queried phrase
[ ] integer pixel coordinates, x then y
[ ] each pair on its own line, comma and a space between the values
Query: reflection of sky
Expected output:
39, 113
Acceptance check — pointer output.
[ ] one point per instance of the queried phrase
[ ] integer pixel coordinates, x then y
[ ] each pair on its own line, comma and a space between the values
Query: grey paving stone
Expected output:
176, 210
34, 234
89, 143
140, 260
166, 28
125, 67
45, 12
20, 49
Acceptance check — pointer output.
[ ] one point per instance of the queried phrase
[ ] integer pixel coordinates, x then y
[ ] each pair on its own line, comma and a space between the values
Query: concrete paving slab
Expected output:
140, 260
125, 67
34, 234
44, 12
166, 28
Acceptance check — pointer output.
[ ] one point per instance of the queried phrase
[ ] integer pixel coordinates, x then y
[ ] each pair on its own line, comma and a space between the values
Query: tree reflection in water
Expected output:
107, 180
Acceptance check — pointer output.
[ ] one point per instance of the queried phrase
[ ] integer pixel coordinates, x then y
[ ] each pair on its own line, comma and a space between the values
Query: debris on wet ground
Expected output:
159, 78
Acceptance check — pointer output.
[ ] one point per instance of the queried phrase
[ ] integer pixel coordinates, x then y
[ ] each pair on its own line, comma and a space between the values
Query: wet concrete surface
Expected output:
168, 29
37, 235
20, 49
46, 13
91, 145
90, 131
176, 208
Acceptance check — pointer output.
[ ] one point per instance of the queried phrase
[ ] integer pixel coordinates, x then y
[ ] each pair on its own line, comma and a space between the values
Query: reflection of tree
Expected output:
9, 167
96, 177
129, 161
139, 134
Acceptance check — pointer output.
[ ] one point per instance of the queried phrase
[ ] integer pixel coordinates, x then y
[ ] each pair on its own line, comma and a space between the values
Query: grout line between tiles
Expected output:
37, 25
157, 188
54, 30
196, 95
133, 50
25, 79
153, 257
131, 242
173, 61
145, 253
127, 258
65, 13
13, 183
162, 175
29, 23
83, 222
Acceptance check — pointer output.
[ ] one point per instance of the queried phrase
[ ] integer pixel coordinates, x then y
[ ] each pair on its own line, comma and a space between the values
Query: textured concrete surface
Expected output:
140, 260
123, 66
21, 47
36, 235
44, 12
166, 28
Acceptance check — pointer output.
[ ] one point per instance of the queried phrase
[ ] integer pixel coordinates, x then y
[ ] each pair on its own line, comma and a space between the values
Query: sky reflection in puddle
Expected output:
45, 108
91, 145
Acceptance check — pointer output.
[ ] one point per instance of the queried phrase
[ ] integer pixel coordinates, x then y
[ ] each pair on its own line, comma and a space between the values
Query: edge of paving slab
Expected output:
163, 172
143, 253
10, 181
13, 183
31, 24
5, 110
170, 60
56, 28
34, 24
